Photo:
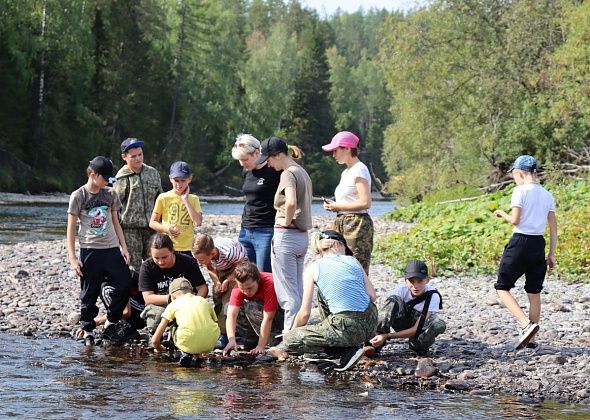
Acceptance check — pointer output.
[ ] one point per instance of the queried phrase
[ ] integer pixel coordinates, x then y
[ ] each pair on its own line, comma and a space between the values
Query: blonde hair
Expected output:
203, 244
319, 245
245, 144
295, 152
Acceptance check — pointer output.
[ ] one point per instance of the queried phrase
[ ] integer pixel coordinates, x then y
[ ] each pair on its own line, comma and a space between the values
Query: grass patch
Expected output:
465, 238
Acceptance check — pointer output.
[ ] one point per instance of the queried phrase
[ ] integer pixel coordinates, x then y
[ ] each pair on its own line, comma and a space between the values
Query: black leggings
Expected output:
100, 265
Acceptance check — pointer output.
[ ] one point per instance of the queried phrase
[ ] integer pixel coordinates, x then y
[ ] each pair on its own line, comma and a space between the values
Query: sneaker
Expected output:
126, 331
349, 358
169, 345
221, 342
185, 359
526, 334
89, 340
112, 333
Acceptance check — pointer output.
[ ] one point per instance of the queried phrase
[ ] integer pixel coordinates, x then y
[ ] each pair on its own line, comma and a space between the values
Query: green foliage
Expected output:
466, 238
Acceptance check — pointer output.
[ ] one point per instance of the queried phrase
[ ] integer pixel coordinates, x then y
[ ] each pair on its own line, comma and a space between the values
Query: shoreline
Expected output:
475, 355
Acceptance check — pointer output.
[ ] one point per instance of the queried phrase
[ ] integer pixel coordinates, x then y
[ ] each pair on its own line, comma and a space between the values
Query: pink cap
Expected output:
342, 139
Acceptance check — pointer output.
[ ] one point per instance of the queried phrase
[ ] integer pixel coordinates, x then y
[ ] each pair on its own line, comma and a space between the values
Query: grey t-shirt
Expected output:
296, 177
95, 214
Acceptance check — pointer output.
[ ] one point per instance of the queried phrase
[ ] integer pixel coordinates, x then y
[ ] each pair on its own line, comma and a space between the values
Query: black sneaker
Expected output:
349, 358
126, 331
111, 333
185, 359
89, 340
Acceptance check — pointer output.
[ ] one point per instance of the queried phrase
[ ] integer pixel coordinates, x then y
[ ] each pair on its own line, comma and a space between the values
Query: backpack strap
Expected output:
426, 298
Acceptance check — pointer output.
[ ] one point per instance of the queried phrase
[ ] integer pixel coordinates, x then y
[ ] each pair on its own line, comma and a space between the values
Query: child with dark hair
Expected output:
103, 251
254, 312
411, 311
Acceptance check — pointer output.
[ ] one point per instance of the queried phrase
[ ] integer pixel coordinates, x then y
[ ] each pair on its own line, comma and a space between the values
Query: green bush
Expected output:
466, 238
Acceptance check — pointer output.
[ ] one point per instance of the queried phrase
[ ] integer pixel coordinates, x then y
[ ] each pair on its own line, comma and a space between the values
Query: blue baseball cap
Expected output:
131, 143
180, 170
524, 163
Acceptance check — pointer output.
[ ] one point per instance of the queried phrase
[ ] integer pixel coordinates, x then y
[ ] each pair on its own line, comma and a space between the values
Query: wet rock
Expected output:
425, 368
457, 385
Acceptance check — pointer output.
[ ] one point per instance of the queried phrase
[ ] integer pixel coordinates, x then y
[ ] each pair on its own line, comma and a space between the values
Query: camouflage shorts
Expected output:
397, 315
357, 229
250, 319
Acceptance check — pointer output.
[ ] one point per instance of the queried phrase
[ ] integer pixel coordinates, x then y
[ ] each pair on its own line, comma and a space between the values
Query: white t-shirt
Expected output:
404, 292
535, 203
346, 191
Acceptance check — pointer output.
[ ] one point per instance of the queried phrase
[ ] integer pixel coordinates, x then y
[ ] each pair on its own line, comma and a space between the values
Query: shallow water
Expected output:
57, 378
34, 222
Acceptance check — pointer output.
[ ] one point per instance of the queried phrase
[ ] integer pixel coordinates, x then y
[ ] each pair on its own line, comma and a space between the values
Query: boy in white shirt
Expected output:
532, 207
411, 312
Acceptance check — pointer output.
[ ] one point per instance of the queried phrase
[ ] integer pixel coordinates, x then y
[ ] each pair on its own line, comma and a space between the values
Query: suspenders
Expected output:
425, 297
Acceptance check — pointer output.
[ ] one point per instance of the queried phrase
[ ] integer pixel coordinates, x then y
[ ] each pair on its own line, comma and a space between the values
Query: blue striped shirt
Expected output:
341, 282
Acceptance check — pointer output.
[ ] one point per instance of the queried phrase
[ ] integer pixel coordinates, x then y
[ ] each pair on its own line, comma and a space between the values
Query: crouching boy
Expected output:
411, 311
197, 329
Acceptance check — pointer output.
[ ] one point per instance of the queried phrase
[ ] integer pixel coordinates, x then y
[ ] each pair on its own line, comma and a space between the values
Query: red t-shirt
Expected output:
265, 293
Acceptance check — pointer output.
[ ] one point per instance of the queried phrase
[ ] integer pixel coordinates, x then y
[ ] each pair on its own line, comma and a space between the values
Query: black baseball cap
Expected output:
102, 166
131, 143
272, 146
337, 236
416, 268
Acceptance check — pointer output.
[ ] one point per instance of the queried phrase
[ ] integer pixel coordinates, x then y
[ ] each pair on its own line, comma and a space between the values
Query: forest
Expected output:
443, 97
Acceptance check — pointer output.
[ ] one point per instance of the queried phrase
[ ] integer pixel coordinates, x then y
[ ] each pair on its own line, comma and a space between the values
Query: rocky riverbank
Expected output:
39, 297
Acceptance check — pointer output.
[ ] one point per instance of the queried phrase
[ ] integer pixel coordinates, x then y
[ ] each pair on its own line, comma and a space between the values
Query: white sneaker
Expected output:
349, 358
526, 334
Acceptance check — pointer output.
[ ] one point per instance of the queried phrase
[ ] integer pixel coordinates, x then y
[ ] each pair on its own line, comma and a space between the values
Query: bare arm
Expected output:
196, 217
75, 263
230, 327
203, 291
158, 335
150, 298
120, 235
512, 218
380, 339
362, 203
265, 330
369, 288
157, 225
552, 239
309, 276
290, 205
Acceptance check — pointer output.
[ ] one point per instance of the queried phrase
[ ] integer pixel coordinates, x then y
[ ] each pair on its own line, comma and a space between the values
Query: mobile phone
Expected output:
324, 199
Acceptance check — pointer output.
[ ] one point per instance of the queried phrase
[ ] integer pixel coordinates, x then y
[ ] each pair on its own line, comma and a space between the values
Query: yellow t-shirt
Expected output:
197, 330
169, 205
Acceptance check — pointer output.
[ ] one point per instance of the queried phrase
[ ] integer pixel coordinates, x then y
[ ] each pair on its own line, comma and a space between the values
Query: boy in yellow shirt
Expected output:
177, 212
197, 330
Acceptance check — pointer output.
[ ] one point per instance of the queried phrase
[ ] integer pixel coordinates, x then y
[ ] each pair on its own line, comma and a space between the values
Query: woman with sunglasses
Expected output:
259, 187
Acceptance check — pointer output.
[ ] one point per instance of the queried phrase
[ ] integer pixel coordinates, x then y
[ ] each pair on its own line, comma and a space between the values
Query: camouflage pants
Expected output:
152, 315
397, 315
345, 329
250, 319
137, 245
357, 229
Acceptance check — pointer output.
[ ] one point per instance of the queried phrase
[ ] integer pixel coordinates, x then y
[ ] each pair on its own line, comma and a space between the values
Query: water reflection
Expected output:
59, 378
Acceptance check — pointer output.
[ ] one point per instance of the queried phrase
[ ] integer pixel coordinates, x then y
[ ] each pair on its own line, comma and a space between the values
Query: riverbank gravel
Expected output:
39, 298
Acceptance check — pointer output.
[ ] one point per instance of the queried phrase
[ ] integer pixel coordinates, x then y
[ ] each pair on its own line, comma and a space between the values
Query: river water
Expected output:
58, 378
26, 223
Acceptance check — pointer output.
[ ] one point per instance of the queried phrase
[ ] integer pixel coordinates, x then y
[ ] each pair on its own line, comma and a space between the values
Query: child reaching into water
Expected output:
196, 330
411, 311
532, 208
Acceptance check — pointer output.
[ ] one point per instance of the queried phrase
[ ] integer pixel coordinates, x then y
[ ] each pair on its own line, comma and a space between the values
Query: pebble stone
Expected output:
39, 297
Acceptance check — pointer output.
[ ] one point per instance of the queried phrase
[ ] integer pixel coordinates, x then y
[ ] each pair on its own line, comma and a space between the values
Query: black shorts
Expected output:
524, 254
